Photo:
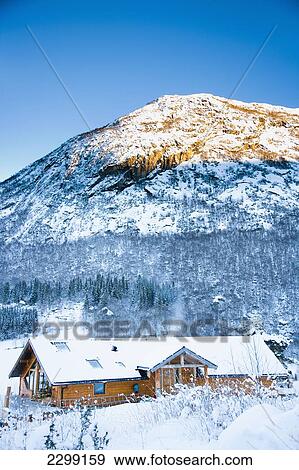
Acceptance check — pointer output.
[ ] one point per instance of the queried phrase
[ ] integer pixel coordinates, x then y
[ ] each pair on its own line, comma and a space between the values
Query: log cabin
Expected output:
103, 372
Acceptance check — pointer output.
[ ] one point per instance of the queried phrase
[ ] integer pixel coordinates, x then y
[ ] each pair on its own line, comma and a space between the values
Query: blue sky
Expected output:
117, 56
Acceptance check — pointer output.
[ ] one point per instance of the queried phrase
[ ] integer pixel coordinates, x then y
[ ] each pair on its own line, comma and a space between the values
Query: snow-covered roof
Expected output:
75, 360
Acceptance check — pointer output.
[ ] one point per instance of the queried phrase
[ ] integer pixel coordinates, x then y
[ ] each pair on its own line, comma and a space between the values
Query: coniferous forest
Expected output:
226, 283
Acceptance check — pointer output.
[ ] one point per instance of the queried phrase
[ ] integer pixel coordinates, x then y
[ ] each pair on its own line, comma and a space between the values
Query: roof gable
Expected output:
18, 368
182, 351
28, 351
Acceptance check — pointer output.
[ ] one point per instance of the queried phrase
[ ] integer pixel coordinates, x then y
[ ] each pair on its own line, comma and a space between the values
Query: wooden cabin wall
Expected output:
234, 383
69, 394
187, 376
121, 389
166, 376
266, 381
239, 383
56, 395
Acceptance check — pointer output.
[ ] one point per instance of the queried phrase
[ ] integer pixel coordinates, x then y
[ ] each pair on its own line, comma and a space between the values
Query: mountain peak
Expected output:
176, 128
138, 172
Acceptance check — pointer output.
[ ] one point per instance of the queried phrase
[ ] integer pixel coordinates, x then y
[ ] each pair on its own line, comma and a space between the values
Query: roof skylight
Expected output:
60, 345
94, 363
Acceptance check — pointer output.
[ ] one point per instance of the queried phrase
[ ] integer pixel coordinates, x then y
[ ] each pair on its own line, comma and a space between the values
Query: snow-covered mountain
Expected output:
180, 164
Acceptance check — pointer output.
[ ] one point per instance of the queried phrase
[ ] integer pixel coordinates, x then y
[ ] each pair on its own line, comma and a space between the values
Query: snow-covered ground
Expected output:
276, 429
68, 312
165, 424
9, 352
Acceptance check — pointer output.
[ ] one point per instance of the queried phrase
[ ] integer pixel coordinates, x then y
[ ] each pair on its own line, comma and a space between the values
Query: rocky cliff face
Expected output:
180, 164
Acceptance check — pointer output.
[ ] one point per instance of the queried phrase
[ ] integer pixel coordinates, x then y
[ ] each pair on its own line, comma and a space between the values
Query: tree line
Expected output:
17, 320
93, 291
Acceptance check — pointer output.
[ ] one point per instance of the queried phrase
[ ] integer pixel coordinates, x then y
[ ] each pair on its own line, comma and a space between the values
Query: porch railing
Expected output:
96, 401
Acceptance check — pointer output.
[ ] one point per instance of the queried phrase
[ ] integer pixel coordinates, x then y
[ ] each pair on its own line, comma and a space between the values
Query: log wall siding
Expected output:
56, 395
234, 383
166, 378
187, 360
246, 384
266, 381
121, 389
111, 388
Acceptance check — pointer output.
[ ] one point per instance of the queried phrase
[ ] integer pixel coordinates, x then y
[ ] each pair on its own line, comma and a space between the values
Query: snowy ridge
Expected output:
177, 165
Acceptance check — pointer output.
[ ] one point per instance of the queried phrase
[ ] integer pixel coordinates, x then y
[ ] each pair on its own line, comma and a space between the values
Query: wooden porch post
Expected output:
161, 379
37, 377
7, 397
182, 362
157, 380
206, 374
59, 396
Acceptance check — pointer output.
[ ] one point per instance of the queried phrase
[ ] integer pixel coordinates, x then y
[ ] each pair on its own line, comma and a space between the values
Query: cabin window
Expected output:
94, 363
44, 388
60, 345
199, 373
43, 381
177, 376
136, 388
99, 389
37, 381
30, 378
